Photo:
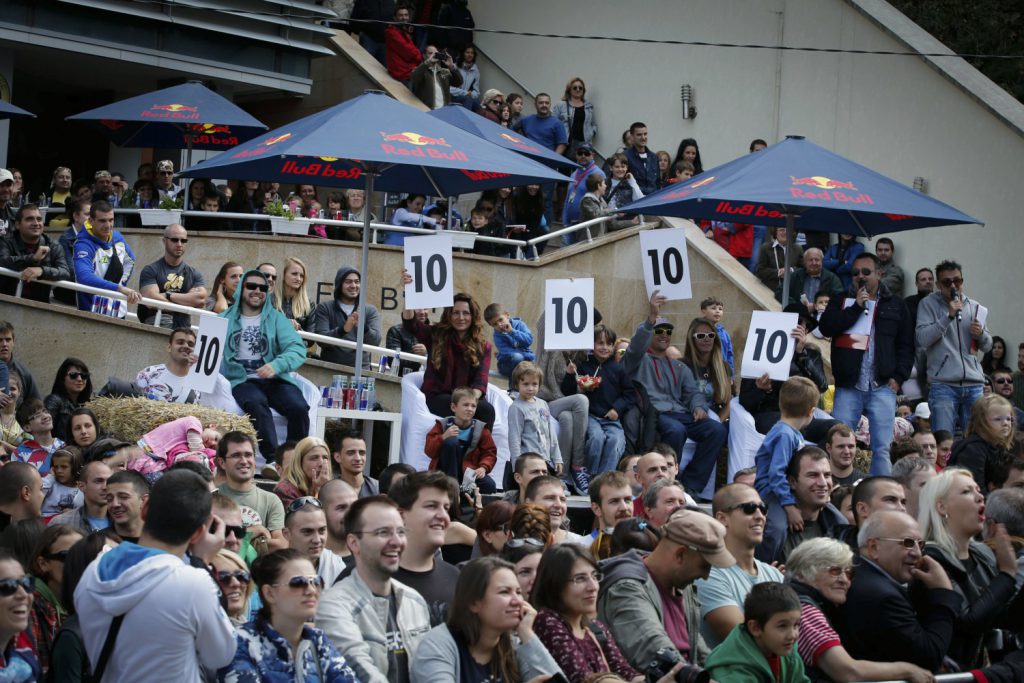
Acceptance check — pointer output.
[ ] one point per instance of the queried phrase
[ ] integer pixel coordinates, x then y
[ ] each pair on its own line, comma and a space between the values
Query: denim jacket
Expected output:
564, 111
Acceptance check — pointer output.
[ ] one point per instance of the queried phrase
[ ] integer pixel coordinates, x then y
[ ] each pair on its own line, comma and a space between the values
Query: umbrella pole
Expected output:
364, 265
451, 213
790, 236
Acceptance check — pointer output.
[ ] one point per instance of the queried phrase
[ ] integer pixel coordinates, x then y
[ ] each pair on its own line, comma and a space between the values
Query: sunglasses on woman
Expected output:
78, 375
304, 582
701, 336
520, 542
238, 575
9, 587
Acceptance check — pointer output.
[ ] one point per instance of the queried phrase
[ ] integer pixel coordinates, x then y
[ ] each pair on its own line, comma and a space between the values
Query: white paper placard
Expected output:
769, 347
569, 314
429, 260
865, 320
665, 263
210, 342
462, 240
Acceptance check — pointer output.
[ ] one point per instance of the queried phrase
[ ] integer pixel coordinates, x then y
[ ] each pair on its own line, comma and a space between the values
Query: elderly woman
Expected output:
819, 570
951, 513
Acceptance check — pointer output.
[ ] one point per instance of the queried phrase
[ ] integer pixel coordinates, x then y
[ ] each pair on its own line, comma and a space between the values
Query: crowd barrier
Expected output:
521, 246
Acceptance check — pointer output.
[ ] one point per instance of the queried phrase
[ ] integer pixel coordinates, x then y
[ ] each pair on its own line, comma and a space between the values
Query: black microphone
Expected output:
956, 296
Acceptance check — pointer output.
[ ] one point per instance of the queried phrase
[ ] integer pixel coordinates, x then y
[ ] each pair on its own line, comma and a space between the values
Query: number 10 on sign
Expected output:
210, 339
666, 268
769, 347
429, 260
568, 314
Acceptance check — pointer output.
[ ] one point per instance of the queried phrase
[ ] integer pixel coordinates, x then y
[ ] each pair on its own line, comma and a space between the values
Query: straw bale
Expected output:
129, 419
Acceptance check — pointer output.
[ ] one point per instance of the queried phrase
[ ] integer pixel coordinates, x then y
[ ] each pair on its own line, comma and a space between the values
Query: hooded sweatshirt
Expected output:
739, 660
93, 256
285, 350
173, 624
948, 343
329, 320
670, 385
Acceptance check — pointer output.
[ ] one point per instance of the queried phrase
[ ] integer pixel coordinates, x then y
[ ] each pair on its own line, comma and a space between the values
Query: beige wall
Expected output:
895, 114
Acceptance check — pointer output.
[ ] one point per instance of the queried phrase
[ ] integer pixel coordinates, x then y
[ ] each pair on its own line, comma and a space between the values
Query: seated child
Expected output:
512, 338
529, 419
610, 392
60, 486
763, 647
460, 443
35, 419
713, 309
593, 206
175, 439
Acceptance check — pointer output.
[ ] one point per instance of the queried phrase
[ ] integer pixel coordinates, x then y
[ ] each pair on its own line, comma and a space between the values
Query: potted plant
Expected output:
283, 220
168, 212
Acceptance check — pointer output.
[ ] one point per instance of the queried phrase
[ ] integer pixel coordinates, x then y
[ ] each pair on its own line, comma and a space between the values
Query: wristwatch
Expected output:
167, 295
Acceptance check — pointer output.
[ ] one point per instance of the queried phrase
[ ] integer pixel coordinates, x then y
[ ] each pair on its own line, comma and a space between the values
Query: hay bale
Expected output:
129, 418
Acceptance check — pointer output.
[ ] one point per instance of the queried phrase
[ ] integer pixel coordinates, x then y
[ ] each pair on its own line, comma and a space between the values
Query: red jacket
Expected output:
481, 454
402, 55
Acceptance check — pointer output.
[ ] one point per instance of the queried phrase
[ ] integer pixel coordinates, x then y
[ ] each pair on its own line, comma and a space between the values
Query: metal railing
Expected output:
521, 246
163, 305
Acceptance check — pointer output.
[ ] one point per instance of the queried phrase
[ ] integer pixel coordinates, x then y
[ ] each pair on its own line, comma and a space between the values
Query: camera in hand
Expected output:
668, 657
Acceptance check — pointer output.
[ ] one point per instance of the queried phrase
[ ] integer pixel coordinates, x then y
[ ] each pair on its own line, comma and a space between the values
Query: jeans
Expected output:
606, 442
572, 413
449, 461
257, 396
549, 199
710, 436
760, 232
950, 403
506, 364
880, 407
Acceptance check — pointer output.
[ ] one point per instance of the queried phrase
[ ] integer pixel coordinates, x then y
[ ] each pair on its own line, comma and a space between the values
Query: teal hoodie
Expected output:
739, 660
285, 352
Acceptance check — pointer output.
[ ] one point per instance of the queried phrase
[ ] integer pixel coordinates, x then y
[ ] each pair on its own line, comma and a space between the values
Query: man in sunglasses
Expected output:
262, 351
951, 331
369, 615
1002, 385
170, 278
739, 509
141, 589
578, 188
880, 623
165, 180
869, 372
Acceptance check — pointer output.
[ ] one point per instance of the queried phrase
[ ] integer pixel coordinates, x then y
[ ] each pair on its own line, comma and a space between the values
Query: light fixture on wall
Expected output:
686, 93
921, 185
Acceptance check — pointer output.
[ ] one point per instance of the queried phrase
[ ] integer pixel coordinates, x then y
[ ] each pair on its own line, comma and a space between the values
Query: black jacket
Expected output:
879, 623
401, 339
808, 364
14, 255
984, 597
374, 10
894, 339
976, 455
329, 320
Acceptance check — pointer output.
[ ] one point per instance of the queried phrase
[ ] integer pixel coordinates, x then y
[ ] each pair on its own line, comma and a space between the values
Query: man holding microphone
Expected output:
950, 330
869, 368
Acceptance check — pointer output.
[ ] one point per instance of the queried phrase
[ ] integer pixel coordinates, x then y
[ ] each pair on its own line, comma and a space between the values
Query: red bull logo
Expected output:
477, 176
276, 139
209, 128
830, 190
211, 134
171, 111
754, 210
318, 170
414, 139
422, 146
511, 138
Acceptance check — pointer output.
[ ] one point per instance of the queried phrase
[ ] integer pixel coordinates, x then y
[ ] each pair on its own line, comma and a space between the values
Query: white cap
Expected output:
6, 176
922, 410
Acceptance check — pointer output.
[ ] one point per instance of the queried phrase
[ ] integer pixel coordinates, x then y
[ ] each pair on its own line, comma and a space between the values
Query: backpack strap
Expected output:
108, 648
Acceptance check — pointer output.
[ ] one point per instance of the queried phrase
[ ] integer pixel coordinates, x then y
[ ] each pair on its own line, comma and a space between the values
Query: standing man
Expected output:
92, 516
351, 459
35, 255
643, 163
165, 180
841, 446
432, 79
892, 274
337, 498
262, 351
924, 280
546, 130
339, 318
869, 372
578, 184
236, 458
950, 332
172, 279
28, 383
401, 53
103, 258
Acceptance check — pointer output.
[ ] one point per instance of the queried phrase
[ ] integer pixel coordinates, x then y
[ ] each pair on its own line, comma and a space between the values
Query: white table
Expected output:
395, 419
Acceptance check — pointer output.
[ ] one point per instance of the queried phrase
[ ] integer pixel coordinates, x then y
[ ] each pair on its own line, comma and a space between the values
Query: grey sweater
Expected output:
950, 357
437, 659
527, 421
669, 384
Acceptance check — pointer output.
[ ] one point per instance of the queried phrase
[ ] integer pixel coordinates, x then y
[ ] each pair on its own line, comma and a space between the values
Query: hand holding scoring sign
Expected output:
799, 335
657, 301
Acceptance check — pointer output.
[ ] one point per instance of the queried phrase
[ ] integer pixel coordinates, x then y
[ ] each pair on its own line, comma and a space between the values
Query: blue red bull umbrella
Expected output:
9, 111
187, 116
374, 142
802, 186
459, 116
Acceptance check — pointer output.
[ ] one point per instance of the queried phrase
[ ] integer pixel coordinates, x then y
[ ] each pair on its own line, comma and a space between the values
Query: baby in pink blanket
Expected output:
184, 439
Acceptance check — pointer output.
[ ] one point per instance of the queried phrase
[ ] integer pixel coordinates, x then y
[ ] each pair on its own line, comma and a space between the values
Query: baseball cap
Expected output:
165, 165
585, 147
6, 176
664, 322
102, 174
923, 410
701, 532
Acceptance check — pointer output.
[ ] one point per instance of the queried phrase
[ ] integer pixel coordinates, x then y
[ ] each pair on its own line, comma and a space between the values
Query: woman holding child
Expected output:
458, 355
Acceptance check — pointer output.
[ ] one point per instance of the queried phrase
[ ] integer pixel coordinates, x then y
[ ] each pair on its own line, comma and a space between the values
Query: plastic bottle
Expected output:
364, 394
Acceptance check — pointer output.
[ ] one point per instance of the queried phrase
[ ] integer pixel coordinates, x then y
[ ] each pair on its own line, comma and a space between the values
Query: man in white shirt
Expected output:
169, 381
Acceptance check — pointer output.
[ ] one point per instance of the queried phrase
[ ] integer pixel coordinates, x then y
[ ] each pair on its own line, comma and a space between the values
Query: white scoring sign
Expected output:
210, 341
769, 347
569, 314
666, 268
429, 261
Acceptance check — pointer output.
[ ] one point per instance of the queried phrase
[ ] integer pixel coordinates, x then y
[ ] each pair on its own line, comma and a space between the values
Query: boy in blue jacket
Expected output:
512, 339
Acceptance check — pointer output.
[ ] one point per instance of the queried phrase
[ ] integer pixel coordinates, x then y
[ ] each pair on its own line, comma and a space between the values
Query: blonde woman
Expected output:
290, 297
951, 513
702, 354
306, 472
235, 582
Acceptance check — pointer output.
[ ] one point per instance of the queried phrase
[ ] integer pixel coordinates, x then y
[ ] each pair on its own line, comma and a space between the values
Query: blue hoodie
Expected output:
92, 258
285, 351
